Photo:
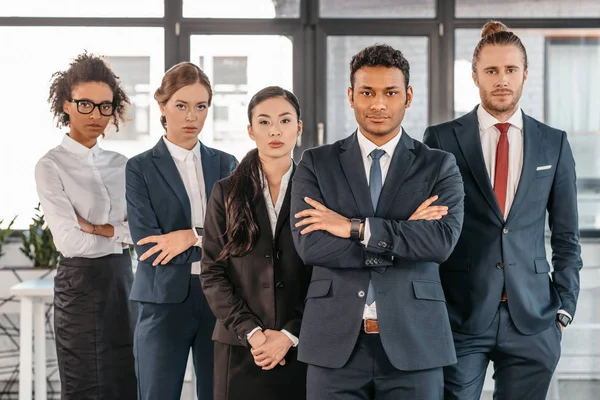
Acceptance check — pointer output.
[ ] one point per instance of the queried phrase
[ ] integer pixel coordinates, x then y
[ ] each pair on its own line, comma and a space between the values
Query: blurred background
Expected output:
304, 46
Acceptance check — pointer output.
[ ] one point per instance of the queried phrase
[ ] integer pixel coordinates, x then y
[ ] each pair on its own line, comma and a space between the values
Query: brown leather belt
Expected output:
503, 297
370, 326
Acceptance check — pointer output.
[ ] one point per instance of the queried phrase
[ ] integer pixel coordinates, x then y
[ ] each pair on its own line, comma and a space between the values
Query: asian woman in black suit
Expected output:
252, 277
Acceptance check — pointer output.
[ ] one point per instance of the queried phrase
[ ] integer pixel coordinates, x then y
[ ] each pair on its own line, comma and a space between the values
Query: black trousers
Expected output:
523, 364
369, 375
94, 322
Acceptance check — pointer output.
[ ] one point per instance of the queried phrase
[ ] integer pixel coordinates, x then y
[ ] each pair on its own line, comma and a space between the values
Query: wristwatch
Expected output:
355, 228
563, 319
198, 232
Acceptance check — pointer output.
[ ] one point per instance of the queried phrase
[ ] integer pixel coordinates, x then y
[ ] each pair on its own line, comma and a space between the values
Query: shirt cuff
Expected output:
367, 234
198, 242
293, 338
252, 332
565, 313
119, 232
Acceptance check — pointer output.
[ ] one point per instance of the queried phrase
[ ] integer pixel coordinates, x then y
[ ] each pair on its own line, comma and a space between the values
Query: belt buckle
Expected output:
370, 326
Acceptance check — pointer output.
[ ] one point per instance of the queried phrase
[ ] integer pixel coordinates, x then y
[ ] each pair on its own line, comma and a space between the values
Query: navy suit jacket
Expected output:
157, 203
402, 257
492, 252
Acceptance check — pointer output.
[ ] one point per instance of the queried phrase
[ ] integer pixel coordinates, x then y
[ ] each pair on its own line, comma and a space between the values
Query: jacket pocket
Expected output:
320, 288
428, 290
541, 266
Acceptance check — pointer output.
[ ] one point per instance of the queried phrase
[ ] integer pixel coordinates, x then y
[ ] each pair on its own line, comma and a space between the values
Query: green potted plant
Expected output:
5, 233
38, 245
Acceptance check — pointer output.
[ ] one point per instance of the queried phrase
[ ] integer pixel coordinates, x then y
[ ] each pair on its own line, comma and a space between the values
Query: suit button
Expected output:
267, 256
361, 293
279, 285
278, 254
369, 262
382, 244
505, 231
499, 265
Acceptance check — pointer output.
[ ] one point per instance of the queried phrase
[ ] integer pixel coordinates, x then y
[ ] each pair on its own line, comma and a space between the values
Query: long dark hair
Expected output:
246, 187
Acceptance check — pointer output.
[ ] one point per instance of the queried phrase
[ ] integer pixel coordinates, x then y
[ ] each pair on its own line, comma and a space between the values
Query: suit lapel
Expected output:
400, 164
284, 213
166, 167
262, 216
532, 144
210, 168
353, 167
467, 135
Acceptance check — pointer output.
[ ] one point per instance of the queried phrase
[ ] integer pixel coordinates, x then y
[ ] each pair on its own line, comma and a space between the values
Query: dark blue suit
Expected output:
402, 260
494, 253
174, 315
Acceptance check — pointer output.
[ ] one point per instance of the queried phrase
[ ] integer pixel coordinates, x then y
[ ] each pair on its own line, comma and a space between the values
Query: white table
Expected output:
33, 323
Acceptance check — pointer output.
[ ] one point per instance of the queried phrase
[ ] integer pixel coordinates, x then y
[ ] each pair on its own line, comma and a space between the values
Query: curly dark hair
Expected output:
85, 68
379, 55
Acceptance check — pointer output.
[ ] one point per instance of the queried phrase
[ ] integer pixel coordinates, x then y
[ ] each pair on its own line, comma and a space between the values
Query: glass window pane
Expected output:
235, 65
527, 9
561, 90
79, 9
241, 9
136, 54
340, 49
377, 9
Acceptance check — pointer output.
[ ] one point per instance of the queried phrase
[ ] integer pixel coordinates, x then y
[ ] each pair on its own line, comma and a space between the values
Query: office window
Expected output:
82, 9
527, 9
378, 9
28, 61
241, 9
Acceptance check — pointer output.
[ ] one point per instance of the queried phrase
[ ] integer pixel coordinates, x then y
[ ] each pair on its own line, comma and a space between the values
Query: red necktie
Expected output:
501, 173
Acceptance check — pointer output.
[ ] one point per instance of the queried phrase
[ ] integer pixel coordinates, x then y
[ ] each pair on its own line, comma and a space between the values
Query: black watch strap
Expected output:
355, 228
563, 319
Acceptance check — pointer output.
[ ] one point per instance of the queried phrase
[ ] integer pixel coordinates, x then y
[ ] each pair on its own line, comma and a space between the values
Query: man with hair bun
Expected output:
504, 304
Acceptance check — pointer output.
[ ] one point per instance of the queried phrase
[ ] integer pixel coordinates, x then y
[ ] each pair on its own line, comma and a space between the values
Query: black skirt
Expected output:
236, 376
94, 322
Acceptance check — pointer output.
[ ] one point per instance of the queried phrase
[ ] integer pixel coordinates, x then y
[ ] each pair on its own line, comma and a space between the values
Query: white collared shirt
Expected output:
73, 180
189, 165
273, 211
366, 147
490, 135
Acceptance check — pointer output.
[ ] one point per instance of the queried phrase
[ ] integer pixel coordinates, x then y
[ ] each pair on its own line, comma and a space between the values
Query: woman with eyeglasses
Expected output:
82, 191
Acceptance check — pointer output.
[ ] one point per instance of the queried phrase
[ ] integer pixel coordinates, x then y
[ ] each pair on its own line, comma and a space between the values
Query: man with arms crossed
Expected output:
375, 324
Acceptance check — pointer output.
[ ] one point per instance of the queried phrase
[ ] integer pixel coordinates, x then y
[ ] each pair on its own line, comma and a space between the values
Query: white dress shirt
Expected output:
189, 165
73, 180
273, 210
490, 135
366, 147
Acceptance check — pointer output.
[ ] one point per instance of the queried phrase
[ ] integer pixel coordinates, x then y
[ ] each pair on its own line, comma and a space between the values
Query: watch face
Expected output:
199, 231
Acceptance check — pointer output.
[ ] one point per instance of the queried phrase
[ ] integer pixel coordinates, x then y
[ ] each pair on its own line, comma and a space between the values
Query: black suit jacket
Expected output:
402, 257
264, 288
492, 252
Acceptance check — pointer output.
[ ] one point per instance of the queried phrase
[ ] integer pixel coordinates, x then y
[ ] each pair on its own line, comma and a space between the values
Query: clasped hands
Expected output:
269, 348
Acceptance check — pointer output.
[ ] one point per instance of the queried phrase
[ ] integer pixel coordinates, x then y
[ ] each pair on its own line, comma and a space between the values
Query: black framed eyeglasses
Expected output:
87, 107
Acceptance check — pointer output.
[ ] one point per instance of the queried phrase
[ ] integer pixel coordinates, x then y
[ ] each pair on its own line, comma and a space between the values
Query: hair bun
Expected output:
493, 27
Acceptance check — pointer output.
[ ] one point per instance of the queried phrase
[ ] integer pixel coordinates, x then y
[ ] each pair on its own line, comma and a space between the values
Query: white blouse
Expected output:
73, 180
